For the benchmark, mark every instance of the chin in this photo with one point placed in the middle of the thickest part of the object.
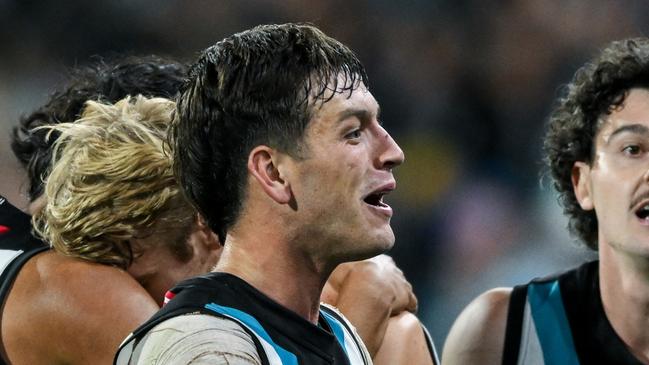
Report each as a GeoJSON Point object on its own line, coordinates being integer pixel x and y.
{"type": "Point", "coordinates": [382, 243]}
{"type": "Point", "coordinates": [387, 246]}
{"type": "Point", "coordinates": [387, 237]}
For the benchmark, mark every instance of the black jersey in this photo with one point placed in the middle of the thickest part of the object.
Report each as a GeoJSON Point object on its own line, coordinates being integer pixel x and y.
{"type": "Point", "coordinates": [280, 335]}
{"type": "Point", "coordinates": [17, 245]}
{"type": "Point", "coordinates": [561, 320]}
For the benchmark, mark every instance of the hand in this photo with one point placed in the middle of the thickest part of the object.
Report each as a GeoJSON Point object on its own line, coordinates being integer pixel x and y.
{"type": "Point", "coordinates": [393, 278]}
{"type": "Point", "coordinates": [378, 276]}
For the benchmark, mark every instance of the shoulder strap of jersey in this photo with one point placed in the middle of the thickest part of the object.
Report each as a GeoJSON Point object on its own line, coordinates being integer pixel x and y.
{"type": "Point", "coordinates": [514, 324]}
{"type": "Point", "coordinates": [195, 303]}
{"type": "Point", "coordinates": [551, 323]}
{"type": "Point", "coordinates": [431, 345]}
{"type": "Point", "coordinates": [128, 347]}
{"type": "Point", "coordinates": [346, 335]}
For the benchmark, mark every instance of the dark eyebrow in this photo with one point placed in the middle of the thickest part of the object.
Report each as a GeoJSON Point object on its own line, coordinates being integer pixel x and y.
{"type": "Point", "coordinates": [361, 114]}
{"type": "Point", "coordinates": [631, 128]}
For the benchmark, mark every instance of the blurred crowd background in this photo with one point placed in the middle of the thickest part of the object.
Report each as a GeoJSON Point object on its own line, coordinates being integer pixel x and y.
{"type": "Point", "coordinates": [465, 87]}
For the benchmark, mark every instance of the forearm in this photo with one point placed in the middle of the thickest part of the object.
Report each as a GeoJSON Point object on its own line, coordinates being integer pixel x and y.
{"type": "Point", "coordinates": [369, 312]}
{"type": "Point", "coordinates": [404, 343]}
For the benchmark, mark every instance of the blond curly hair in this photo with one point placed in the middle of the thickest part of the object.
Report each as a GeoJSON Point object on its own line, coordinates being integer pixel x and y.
{"type": "Point", "coordinates": [112, 182]}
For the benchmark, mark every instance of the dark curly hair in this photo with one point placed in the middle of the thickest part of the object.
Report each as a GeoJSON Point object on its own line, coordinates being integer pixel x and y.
{"type": "Point", "coordinates": [596, 89]}
{"type": "Point", "coordinates": [107, 81]}
{"type": "Point", "coordinates": [255, 87]}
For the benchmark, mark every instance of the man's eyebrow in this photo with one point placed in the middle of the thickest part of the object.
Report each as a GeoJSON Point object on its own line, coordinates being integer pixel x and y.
{"type": "Point", "coordinates": [631, 128]}
{"type": "Point", "coordinates": [361, 114]}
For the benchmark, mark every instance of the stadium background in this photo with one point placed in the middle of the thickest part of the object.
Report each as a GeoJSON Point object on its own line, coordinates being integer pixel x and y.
{"type": "Point", "coordinates": [465, 87]}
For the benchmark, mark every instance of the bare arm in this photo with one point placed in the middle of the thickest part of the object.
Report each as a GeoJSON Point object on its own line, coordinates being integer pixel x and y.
{"type": "Point", "coordinates": [478, 334]}
{"type": "Point", "coordinates": [404, 343]}
{"type": "Point", "coordinates": [64, 310]}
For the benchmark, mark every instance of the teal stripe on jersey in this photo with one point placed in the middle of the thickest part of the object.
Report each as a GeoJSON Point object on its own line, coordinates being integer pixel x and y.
{"type": "Point", "coordinates": [287, 358]}
{"type": "Point", "coordinates": [339, 332]}
{"type": "Point", "coordinates": [551, 323]}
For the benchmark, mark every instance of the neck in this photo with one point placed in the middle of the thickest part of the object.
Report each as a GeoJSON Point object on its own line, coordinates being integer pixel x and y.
{"type": "Point", "coordinates": [273, 266]}
{"type": "Point", "coordinates": [624, 283]}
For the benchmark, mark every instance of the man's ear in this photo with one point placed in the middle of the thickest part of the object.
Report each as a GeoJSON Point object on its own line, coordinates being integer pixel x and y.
{"type": "Point", "coordinates": [581, 185]}
{"type": "Point", "coordinates": [210, 239]}
{"type": "Point", "coordinates": [205, 245]}
{"type": "Point", "coordinates": [263, 165]}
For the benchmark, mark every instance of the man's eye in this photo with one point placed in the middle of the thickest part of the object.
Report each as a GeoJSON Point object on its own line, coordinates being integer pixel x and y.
{"type": "Point", "coordinates": [354, 134]}
{"type": "Point", "coordinates": [632, 150]}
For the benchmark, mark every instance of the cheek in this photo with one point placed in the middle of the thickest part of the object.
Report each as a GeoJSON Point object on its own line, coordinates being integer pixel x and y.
{"type": "Point", "coordinates": [611, 191]}
{"type": "Point", "coordinates": [331, 181]}
{"type": "Point", "coordinates": [160, 285]}
{"type": "Point", "coordinates": [353, 165]}
{"type": "Point", "coordinates": [356, 176]}
{"type": "Point", "coordinates": [354, 171]}
{"type": "Point", "coordinates": [170, 272]}
{"type": "Point", "coordinates": [178, 271]}
{"type": "Point", "coordinates": [138, 268]}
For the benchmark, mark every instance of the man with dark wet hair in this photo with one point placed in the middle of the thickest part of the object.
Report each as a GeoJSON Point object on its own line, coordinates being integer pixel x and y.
{"type": "Point", "coordinates": [597, 150]}
{"type": "Point", "coordinates": [277, 143]}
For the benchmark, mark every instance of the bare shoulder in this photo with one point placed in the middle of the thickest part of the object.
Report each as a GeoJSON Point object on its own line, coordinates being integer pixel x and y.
{"type": "Point", "coordinates": [57, 303]}
{"type": "Point", "coordinates": [90, 285]}
{"type": "Point", "coordinates": [478, 334]}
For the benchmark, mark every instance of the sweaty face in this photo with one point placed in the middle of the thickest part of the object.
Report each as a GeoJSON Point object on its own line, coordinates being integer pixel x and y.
{"type": "Point", "coordinates": [616, 184]}
{"type": "Point", "coordinates": [340, 184]}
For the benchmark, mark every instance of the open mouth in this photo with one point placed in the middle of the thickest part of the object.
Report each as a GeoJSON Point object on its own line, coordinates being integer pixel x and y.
{"type": "Point", "coordinates": [376, 199]}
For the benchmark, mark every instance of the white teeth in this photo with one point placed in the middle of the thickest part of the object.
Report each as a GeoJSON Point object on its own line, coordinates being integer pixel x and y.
{"type": "Point", "coordinates": [379, 201]}
{"type": "Point", "coordinates": [375, 199]}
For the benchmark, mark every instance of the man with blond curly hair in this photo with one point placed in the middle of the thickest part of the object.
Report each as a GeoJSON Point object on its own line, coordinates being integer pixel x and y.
{"type": "Point", "coordinates": [112, 198]}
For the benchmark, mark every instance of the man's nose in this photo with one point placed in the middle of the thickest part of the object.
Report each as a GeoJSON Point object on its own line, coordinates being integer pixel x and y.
{"type": "Point", "coordinates": [391, 154]}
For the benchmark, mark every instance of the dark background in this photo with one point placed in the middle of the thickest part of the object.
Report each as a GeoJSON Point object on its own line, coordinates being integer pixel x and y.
{"type": "Point", "coordinates": [465, 88]}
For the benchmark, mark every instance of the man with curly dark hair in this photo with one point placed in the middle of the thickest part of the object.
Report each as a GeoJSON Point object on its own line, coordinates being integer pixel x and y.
{"type": "Point", "coordinates": [597, 150]}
